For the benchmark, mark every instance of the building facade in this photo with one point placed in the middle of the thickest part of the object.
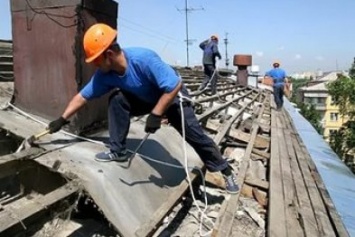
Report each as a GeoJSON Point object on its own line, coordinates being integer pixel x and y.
{"type": "Point", "coordinates": [316, 93]}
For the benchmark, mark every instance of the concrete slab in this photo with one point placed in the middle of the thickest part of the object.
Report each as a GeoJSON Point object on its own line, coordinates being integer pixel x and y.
{"type": "Point", "coordinates": [127, 197]}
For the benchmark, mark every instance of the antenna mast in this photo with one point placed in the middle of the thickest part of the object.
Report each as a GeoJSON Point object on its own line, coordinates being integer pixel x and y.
{"type": "Point", "coordinates": [188, 41]}
{"type": "Point", "coordinates": [226, 43]}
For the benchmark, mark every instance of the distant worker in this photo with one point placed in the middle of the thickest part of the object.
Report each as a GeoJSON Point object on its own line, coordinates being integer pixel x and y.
{"type": "Point", "coordinates": [147, 85]}
{"type": "Point", "coordinates": [210, 52]}
{"type": "Point", "coordinates": [279, 79]}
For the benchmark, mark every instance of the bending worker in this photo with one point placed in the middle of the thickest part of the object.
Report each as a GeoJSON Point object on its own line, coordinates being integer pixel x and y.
{"type": "Point", "coordinates": [146, 85]}
{"type": "Point", "coordinates": [210, 52]}
{"type": "Point", "coordinates": [279, 79]}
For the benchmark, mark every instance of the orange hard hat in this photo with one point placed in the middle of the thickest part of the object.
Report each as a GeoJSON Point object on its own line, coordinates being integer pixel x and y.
{"type": "Point", "coordinates": [97, 39]}
{"type": "Point", "coordinates": [214, 37]}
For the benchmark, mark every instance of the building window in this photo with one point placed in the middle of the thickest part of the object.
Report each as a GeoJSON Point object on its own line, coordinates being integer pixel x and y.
{"type": "Point", "coordinates": [334, 117]}
{"type": "Point", "coordinates": [321, 101]}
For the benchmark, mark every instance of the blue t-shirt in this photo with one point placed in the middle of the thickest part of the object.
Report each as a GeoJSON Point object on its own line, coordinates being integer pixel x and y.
{"type": "Point", "coordinates": [146, 77]}
{"type": "Point", "coordinates": [278, 75]}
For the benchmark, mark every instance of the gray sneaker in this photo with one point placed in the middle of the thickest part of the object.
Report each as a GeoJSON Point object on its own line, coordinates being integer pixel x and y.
{"type": "Point", "coordinates": [231, 183]}
{"type": "Point", "coordinates": [112, 156]}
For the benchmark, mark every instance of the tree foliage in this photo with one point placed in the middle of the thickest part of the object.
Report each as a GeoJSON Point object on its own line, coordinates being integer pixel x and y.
{"type": "Point", "coordinates": [342, 92]}
{"type": "Point", "coordinates": [297, 84]}
{"type": "Point", "coordinates": [310, 113]}
{"type": "Point", "coordinates": [352, 70]}
{"type": "Point", "coordinates": [343, 140]}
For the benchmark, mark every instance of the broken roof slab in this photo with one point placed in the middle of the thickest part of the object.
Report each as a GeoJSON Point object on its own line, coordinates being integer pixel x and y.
{"type": "Point", "coordinates": [128, 197]}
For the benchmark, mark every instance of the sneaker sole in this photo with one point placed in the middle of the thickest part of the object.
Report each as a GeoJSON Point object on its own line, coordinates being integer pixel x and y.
{"type": "Point", "coordinates": [232, 192]}
{"type": "Point", "coordinates": [97, 159]}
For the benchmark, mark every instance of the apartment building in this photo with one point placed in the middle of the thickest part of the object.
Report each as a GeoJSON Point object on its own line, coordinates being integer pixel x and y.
{"type": "Point", "coordinates": [316, 93]}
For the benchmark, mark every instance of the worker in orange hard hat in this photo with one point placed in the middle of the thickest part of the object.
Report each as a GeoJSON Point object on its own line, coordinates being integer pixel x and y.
{"type": "Point", "coordinates": [279, 78]}
{"type": "Point", "coordinates": [210, 52]}
{"type": "Point", "coordinates": [97, 40]}
{"type": "Point", "coordinates": [147, 85]}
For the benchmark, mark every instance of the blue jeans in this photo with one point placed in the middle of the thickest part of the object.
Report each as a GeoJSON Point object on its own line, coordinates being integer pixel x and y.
{"type": "Point", "coordinates": [279, 95]}
{"type": "Point", "coordinates": [123, 105]}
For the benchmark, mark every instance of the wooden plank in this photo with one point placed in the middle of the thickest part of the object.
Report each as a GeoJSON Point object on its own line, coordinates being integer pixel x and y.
{"type": "Point", "coordinates": [307, 217]}
{"type": "Point", "coordinates": [148, 228]}
{"type": "Point", "coordinates": [24, 154]}
{"type": "Point", "coordinates": [335, 219]}
{"type": "Point", "coordinates": [9, 164]}
{"type": "Point", "coordinates": [215, 109]}
{"type": "Point", "coordinates": [227, 125]}
{"type": "Point", "coordinates": [215, 179]}
{"type": "Point", "coordinates": [260, 197]}
{"type": "Point", "coordinates": [334, 216]}
{"type": "Point", "coordinates": [324, 225]}
{"type": "Point", "coordinates": [260, 141]}
{"type": "Point", "coordinates": [13, 217]}
{"type": "Point", "coordinates": [276, 213]}
{"type": "Point", "coordinates": [255, 157]}
{"type": "Point", "coordinates": [290, 198]}
{"type": "Point", "coordinates": [261, 153]}
{"type": "Point", "coordinates": [227, 217]}
{"type": "Point", "coordinates": [308, 220]}
{"type": "Point", "coordinates": [262, 184]}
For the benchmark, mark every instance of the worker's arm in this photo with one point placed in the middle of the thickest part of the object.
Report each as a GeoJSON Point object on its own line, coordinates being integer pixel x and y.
{"type": "Point", "coordinates": [165, 100]}
{"type": "Point", "coordinates": [216, 52]}
{"type": "Point", "coordinates": [74, 105]}
{"type": "Point", "coordinates": [153, 122]}
{"type": "Point", "coordinates": [203, 44]}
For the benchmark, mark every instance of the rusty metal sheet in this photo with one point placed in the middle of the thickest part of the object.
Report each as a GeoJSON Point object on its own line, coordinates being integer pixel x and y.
{"type": "Point", "coordinates": [49, 66]}
{"type": "Point", "coordinates": [107, 7]}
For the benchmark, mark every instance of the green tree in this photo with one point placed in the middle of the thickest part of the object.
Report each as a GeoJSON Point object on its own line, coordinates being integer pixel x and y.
{"type": "Point", "coordinates": [342, 91]}
{"type": "Point", "coordinates": [352, 70]}
{"type": "Point", "coordinates": [297, 84]}
{"type": "Point", "coordinates": [310, 113]}
{"type": "Point", "coordinates": [343, 140]}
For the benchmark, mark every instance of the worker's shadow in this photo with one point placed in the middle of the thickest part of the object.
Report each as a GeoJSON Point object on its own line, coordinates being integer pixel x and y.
{"type": "Point", "coordinates": [170, 170]}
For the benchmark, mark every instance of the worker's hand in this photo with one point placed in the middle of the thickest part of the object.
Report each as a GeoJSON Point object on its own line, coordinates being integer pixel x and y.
{"type": "Point", "coordinates": [56, 125]}
{"type": "Point", "coordinates": [153, 123]}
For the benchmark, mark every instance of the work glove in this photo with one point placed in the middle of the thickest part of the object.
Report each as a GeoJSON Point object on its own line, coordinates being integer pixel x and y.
{"type": "Point", "coordinates": [153, 123]}
{"type": "Point", "coordinates": [56, 125]}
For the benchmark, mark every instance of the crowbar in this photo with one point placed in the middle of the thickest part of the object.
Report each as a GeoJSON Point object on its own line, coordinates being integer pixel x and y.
{"type": "Point", "coordinates": [135, 151]}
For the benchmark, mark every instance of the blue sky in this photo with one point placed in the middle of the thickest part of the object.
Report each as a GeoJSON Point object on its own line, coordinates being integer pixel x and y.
{"type": "Point", "coordinates": [304, 35]}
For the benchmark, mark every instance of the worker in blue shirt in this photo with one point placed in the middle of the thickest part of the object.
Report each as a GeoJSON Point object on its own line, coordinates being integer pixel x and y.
{"type": "Point", "coordinates": [147, 85]}
{"type": "Point", "coordinates": [278, 76]}
{"type": "Point", "coordinates": [210, 52]}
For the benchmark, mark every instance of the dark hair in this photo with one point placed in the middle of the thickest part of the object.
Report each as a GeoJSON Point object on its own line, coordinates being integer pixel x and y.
{"type": "Point", "coordinates": [115, 47]}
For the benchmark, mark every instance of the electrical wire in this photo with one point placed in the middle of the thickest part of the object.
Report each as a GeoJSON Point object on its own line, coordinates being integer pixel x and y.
{"type": "Point", "coordinates": [52, 15]}
{"type": "Point", "coordinates": [154, 32]}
